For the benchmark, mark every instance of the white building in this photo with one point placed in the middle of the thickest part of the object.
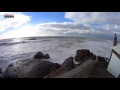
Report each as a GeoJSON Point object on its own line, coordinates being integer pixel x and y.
{"type": "Point", "coordinates": [114, 64]}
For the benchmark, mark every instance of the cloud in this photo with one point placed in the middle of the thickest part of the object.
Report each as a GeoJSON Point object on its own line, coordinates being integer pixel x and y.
{"type": "Point", "coordinates": [94, 17]}
{"type": "Point", "coordinates": [97, 22]}
{"type": "Point", "coordinates": [18, 20]}
{"type": "Point", "coordinates": [66, 28]}
{"type": "Point", "coordinates": [21, 32]}
{"type": "Point", "coordinates": [84, 23]}
{"type": "Point", "coordinates": [73, 27]}
{"type": "Point", "coordinates": [61, 26]}
{"type": "Point", "coordinates": [28, 31]}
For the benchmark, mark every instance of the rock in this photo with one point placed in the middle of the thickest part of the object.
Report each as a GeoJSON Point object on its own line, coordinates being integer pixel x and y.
{"type": "Point", "coordinates": [90, 55]}
{"type": "Point", "coordinates": [39, 55]}
{"type": "Point", "coordinates": [46, 56]}
{"type": "Point", "coordinates": [66, 66]}
{"type": "Point", "coordinates": [94, 57]}
{"type": "Point", "coordinates": [68, 63]}
{"type": "Point", "coordinates": [102, 63]}
{"type": "Point", "coordinates": [83, 55]}
{"type": "Point", "coordinates": [30, 68]}
{"type": "Point", "coordinates": [0, 71]}
{"type": "Point", "coordinates": [10, 72]}
{"type": "Point", "coordinates": [11, 64]}
{"type": "Point", "coordinates": [80, 54]}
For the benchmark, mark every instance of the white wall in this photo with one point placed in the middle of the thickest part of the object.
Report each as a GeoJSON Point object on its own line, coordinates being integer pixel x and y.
{"type": "Point", "coordinates": [114, 65]}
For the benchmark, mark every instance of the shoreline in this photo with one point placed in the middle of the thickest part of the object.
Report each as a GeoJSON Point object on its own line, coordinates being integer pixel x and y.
{"type": "Point", "coordinates": [22, 68]}
{"type": "Point", "coordinates": [59, 49]}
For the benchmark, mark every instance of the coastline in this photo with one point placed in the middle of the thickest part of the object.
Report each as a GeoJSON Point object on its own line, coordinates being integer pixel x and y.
{"type": "Point", "coordinates": [58, 48]}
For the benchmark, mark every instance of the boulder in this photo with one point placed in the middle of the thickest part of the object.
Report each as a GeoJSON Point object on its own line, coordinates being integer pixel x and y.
{"type": "Point", "coordinates": [10, 72]}
{"type": "Point", "coordinates": [39, 55]}
{"type": "Point", "coordinates": [0, 71]}
{"type": "Point", "coordinates": [66, 66]}
{"type": "Point", "coordinates": [11, 64]}
{"type": "Point", "coordinates": [30, 68]}
{"type": "Point", "coordinates": [46, 56]}
{"type": "Point", "coordinates": [83, 55]}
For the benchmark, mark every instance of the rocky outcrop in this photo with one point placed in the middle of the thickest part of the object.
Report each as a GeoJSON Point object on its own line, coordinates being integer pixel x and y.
{"type": "Point", "coordinates": [66, 66]}
{"type": "Point", "coordinates": [46, 56]}
{"type": "Point", "coordinates": [30, 68]}
{"type": "Point", "coordinates": [83, 55]}
{"type": "Point", "coordinates": [10, 72]}
{"type": "Point", "coordinates": [40, 55]}
{"type": "Point", "coordinates": [38, 68]}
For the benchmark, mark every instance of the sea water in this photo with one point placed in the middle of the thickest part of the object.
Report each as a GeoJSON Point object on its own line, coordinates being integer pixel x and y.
{"type": "Point", "coordinates": [59, 48]}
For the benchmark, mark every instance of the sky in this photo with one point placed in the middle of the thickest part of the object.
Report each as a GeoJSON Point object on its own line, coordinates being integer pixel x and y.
{"type": "Point", "coordinates": [76, 24]}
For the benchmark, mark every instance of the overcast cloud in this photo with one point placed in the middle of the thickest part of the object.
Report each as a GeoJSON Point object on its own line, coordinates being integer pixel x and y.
{"type": "Point", "coordinates": [102, 23]}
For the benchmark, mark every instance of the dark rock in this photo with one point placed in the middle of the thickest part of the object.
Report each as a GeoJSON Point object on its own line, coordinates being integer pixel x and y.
{"type": "Point", "coordinates": [30, 68]}
{"type": "Point", "coordinates": [11, 64]}
{"type": "Point", "coordinates": [94, 57]}
{"type": "Point", "coordinates": [90, 55]}
{"type": "Point", "coordinates": [83, 55]}
{"type": "Point", "coordinates": [10, 72]}
{"type": "Point", "coordinates": [46, 56]}
{"type": "Point", "coordinates": [80, 54]}
{"type": "Point", "coordinates": [102, 62]}
{"type": "Point", "coordinates": [67, 65]}
{"type": "Point", "coordinates": [0, 71]}
{"type": "Point", "coordinates": [39, 55]}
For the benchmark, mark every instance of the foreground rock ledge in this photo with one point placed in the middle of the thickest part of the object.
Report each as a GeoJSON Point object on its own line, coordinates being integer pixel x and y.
{"type": "Point", "coordinates": [38, 67]}
{"type": "Point", "coordinates": [30, 68]}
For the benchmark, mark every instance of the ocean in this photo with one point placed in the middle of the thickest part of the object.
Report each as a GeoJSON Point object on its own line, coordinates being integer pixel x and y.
{"type": "Point", "coordinates": [59, 48]}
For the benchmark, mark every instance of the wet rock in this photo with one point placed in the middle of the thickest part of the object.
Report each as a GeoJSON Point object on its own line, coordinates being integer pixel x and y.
{"type": "Point", "coordinates": [39, 55]}
{"type": "Point", "coordinates": [68, 63]}
{"type": "Point", "coordinates": [46, 56]}
{"type": "Point", "coordinates": [11, 64]}
{"type": "Point", "coordinates": [30, 68]}
{"type": "Point", "coordinates": [83, 55]}
{"type": "Point", "coordinates": [10, 72]}
{"type": "Point", "coordinates": [66, 66]}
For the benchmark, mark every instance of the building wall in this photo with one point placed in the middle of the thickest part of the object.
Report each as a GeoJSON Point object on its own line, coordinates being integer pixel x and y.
{"type": "Point", "coordinates": [114, 65]}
